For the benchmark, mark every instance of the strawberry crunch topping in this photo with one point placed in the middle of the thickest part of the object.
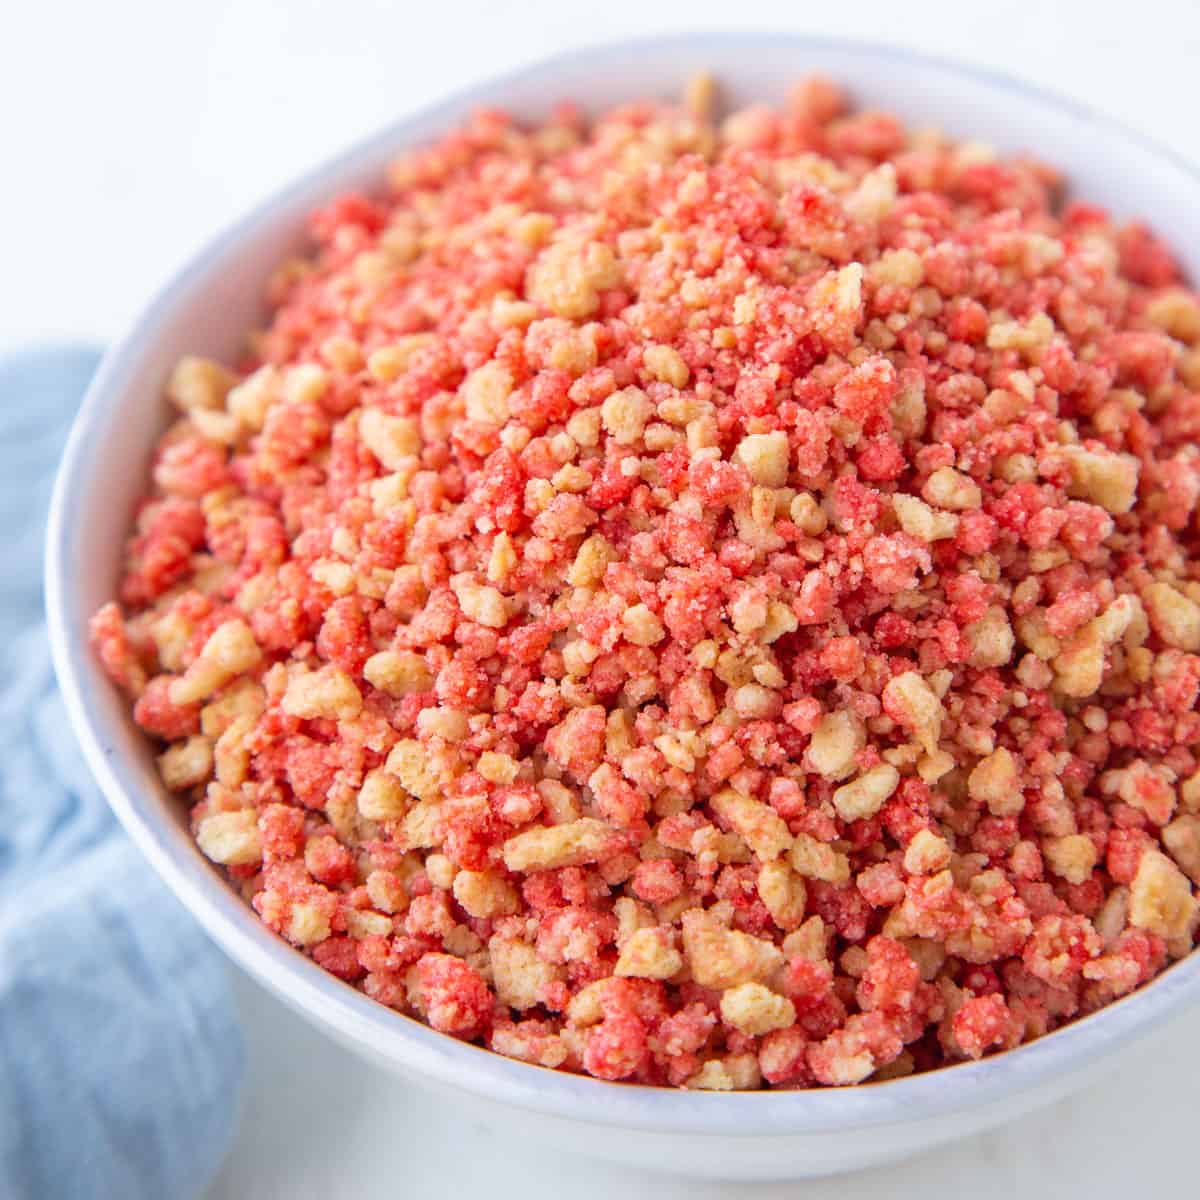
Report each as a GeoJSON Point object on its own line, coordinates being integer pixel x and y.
{"type": "Point", "coordinates": [710, 603]}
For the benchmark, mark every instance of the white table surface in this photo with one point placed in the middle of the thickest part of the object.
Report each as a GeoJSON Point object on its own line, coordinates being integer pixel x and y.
{"type": "Point", "coordinates": [134, 129]}
{"type": "Point", "coordinates": [320, 1125]}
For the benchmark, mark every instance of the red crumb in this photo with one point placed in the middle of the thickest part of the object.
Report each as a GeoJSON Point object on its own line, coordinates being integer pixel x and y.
{"type": "Point", "coordinates": [707, 603]}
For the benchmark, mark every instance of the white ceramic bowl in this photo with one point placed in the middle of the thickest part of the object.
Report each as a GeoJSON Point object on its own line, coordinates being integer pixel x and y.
{"type": "Point", "coordinates": [207, 309]}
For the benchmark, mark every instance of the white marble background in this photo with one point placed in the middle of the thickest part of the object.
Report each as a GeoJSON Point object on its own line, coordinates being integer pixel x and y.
{"type": "Point", "coordinates": [134, 129]}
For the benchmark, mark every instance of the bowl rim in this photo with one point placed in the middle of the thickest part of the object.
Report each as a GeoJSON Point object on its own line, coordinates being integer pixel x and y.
{"type": "Point", "coordinates": [402, 1042]}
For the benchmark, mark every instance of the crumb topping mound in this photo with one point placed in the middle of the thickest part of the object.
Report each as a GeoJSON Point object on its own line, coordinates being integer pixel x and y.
{"type": "Point", "coordinates": [707, 602]}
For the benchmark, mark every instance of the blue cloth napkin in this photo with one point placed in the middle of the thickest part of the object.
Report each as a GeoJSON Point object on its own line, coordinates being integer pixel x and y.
{"type": "Point", "coordinates": [120, 1053]}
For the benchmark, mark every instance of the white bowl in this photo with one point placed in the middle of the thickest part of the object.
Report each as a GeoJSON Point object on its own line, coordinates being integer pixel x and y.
{"type": "Point", "coordinates": [208, 308]}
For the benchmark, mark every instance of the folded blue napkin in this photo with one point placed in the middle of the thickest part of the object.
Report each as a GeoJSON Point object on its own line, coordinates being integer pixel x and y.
{"type": "Point", "coordinates": [120, 1054]}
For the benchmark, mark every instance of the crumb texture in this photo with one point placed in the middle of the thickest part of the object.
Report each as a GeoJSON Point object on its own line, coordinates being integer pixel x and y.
{"type": "Point", "coordinates": [709, 601]}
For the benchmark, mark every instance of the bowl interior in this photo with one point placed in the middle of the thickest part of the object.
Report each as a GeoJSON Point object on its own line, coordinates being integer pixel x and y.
{"type": "Point", "coordinates": [211, 305]}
